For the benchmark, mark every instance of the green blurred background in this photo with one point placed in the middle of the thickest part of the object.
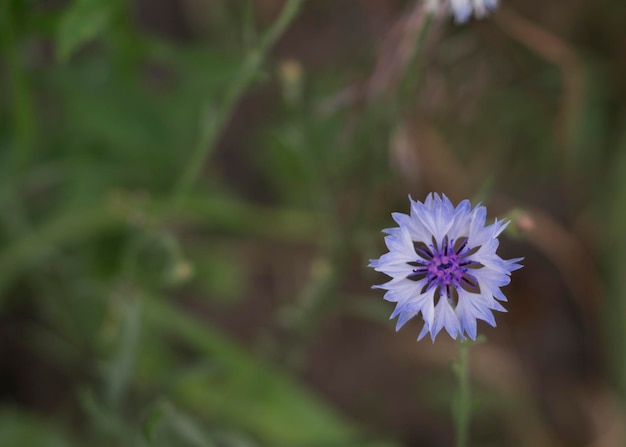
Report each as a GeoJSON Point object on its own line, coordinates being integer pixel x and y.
{"type": "Point", "coordinates": [191, 191]}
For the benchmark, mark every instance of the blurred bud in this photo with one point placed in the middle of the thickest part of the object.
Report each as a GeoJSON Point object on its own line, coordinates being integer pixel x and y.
{"type": "Point", "coordinates": [181, 272]}
{"type": "Point", "coordinates": [130, 206]}
{"type": "Point", "coordinates": [290, 74]}
{"type": "Point", "coordinates": [523, 223]}
{"type": "Point", "coordinates": [155, 257]}
{"type": "Point", "coordinates": [403, 153]}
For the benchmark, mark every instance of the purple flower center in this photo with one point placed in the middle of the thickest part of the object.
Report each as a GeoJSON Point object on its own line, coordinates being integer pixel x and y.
{"type": "Point", "coordinates": [444, 269]}
{"type": "Point", "coordinates": [446, 265]}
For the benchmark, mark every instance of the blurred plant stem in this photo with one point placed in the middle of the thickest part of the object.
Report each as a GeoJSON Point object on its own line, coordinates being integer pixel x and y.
{"type": "Point", "coordinates": [216, 116]}
{"type": "Point", "coordinates": [320, 298]}
{"type": "Point", "coordinates": [571, 123]}
{"type": "Point", "coordinates": [21, 98]}
{"type": "Point", "coordinates": [409, 84]}
{"type": "Point", "coordinates": [74, 227]}
{"type": "Point", "coordinates": [299, 319]}
{"type": "Point", "coordinates": [120, 366]}
{"type": "Point", "coordinates": [616, 266]}
{"type": "Point", "coordinates": [462, 407]}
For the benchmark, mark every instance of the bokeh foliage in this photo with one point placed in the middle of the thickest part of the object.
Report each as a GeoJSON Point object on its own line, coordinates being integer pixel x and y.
{"type": "Point", "coordinates": [149, 182]}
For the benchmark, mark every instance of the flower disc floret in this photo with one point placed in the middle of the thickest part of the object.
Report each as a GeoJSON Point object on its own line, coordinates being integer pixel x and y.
{"type": "Point", "coordinates": [443, 265]}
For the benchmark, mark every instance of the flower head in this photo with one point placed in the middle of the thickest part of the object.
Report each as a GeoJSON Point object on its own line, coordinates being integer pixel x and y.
{"type": "Point", "coordinates": [443, 264]}
{"type": "Point", "coordinates": [463, 9]}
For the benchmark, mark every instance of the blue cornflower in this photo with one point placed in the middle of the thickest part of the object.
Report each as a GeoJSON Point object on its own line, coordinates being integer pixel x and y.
{"type": "Point", "coordinates": [443, 264]}
{"type": "Point", "coordinates": [463, 9]}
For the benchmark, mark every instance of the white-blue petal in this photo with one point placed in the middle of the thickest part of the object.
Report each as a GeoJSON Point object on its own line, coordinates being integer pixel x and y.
{"type": "Point", "coordinates": [467, 320]}
{"type": "Point", "coordinates": [444, 318]}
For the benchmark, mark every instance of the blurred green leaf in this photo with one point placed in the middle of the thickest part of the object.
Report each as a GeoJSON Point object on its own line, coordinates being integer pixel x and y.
{"type": "Point", "coordinates": [151, 423]}
{"type": "Point", "coordinates": [19, 429]}
{"type": "Point", "coordinates": [244, 392]}
{"type": "Point", "coordinates": [83, 21]}
{"type": "Point", "coordinates": [107, 425]}
{"type": "Point", "coordinates": [118, 128]}
{"type": "Point", "coordinates": [166, 426]}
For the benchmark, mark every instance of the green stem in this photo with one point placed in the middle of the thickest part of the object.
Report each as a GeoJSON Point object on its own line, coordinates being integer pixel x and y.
{"type": "Point", "coordinates": [463, 406]}
{"type": "Point", "coordinates": [215, 118]}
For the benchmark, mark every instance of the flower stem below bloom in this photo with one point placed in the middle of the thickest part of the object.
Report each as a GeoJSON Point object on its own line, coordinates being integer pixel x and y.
{"type": "Point", "coordinates": [463, 403]}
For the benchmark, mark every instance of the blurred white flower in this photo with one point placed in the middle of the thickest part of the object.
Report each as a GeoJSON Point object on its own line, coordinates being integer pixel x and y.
{"type": "Point", "coordinates": [461, 9]}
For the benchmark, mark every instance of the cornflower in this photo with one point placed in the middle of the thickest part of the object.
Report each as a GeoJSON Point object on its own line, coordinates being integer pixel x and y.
{"type": "Point", "coordinates": [443, 264]}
